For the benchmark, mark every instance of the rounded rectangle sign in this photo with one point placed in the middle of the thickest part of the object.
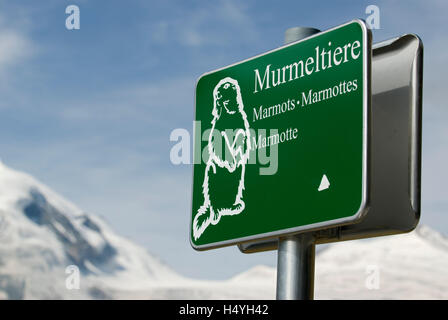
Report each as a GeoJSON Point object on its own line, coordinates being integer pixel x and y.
{"type": "Point", "coordinates": [281, 140]}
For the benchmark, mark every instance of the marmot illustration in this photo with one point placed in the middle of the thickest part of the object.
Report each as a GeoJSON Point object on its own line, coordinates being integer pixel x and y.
{"type": "Point", "coordinates": [224, 174]}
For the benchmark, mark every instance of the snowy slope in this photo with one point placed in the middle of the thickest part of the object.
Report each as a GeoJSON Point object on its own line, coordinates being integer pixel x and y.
{"type": "Point", "coordinates": [41, 234]}
{"type": "Point", "coordinates": [409, 266]}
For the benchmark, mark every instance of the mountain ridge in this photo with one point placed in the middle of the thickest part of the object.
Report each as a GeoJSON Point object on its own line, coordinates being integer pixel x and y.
{"type": "Point", "coordinates": [41, 234]}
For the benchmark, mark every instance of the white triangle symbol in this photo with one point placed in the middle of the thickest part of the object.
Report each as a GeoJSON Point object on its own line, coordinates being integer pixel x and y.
{"type": "Point", "coordinates": [324, 183]}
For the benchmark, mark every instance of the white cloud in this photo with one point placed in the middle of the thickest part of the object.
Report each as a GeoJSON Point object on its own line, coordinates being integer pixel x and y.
{"type": "Point", "coordinates": [14, 47]}
{"type": "Point", "coordinates": [161, 102]}
{"type": "Point", "coordinates": [214, 23]}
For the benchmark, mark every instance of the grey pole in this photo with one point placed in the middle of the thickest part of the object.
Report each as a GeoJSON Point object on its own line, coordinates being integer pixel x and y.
{"type": "Point", "coordinates": [296, 253]}
{"type": "Point", "coordinates": [295, 267]}
{"type": "Point", "coordinates": [297, 33]}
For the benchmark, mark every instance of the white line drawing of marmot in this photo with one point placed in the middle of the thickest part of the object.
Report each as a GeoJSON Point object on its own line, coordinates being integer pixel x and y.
{"type": "Point", "coordinates": [224, 198]}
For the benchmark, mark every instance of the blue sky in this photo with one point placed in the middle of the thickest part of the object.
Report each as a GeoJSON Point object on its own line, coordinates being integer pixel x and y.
{"type": "Point", "coordinates": [89, 112]}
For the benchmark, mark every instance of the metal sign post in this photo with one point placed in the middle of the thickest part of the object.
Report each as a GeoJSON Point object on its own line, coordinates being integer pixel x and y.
{"type": "Point", "coordinates": [295, 267]}
{"type": "Point", "coordinates": [296, 254]}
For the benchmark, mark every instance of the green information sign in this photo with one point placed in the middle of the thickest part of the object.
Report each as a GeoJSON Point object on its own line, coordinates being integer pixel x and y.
{"type": "Point", "coordinates": [281, 140]}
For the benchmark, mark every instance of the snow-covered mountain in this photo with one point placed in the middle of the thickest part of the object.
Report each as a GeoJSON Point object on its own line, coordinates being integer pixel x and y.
{"type": "Point", "coordinates": [41, 234]}
{"type": "Point", "coordinates": [408, 266]}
